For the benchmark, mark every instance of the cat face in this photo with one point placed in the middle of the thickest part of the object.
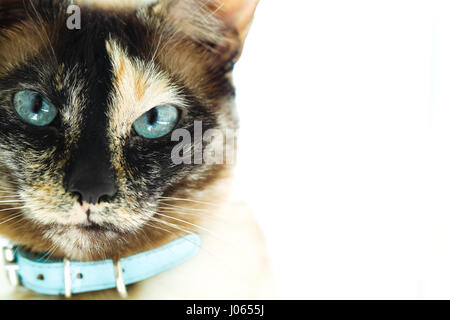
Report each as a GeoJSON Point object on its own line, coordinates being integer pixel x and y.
{"type": "Point", "coordinates": [86, 119]}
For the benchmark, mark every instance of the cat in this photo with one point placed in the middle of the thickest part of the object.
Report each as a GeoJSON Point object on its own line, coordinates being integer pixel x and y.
{"type": "Point", "coordinates": [90, 94]}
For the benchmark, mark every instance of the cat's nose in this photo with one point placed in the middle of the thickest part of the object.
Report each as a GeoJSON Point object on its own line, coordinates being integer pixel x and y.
{"type": "Point", "coordinates": [92, 186]}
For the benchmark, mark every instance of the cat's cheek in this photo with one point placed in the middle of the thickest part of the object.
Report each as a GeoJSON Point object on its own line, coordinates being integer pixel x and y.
{"type": "Point", "coordinates": [47, 204]}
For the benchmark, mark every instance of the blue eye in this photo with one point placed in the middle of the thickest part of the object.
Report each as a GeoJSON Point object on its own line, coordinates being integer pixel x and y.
{"type": "Point", "coordinates": [157, 122]}
{"type": "Point", "coordinates": [34, 109]}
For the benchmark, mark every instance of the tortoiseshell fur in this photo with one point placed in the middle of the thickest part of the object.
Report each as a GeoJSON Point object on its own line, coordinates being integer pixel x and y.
{"type": "Point", "coordinates": [121, 62]}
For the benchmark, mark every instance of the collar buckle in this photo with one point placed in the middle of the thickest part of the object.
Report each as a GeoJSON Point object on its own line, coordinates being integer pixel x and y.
{"type": "Point", "coordinates": [67, 279]}
{"type": "Point", "coordinates": [118, 274]}
{"type": "Point", "coordinates": [120, 282]}
{"type": "Point", "coordinates": [9, 262]}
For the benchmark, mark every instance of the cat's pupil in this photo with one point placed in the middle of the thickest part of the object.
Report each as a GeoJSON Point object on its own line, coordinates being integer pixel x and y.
{"type": "Point", "coordinates": [152, 116]}
{"type": "Point", "coordinates": [36, 104]}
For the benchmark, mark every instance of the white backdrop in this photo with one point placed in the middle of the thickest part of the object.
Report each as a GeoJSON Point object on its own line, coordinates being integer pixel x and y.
{"type": "Point", "coordinates": [345, 145]}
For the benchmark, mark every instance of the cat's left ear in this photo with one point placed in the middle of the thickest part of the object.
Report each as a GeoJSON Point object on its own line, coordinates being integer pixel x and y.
{"type": "Point", "coordinates": [222, 24]}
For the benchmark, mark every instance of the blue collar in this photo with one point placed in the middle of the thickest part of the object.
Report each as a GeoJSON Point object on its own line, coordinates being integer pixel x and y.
{"type": "Point", "coordinates": [67, 277]}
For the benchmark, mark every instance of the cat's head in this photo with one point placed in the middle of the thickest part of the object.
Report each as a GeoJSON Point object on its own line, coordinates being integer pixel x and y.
{"type": "Point", "coordinates": [90, 96]}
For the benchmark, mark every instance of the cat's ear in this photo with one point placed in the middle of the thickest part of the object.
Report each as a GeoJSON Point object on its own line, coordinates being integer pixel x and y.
{"type": "Point", "coordinates": [238, 14]}
{"type": "Point", "coordinates": [224, 24]}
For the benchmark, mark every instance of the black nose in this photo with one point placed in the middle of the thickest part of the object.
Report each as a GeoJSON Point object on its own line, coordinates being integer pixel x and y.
{"type": "Point", "coordinates": [92, 185]}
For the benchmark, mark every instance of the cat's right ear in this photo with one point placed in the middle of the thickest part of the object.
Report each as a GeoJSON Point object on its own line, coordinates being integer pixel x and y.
{"type": "Point", "coordinates": [221, 24]}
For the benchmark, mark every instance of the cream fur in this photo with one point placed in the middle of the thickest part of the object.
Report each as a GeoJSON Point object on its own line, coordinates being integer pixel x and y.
{"type": "Point", "coordinates": [236, 266]}
{"type": "Point", "coordinates": [138, 88]}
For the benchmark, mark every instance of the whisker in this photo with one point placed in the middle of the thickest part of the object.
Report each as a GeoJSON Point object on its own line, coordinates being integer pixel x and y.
{"type": "Point", "coordinates": [43, 29]}
{"type": "Point", "coordinates": [202, 246]}
{"type": "Point", "coordinates": [11, 201]}
{"type": "Point", "coordinates": [161, 228]}
{"type": "Point", "coordinates": [50, 252]}
{"type": "Point", "coordinates": [173, 207]}
{"type": "Point", "coordinates": [190, 200]}
{"type": "Point", "coordinates": [200, 212]}
{"type": "Point", "coordinates": [9, 209]}
{"type": "Point", "coordinates": [157, 49]}
{"type": "Point", "coordinates": [4, 189]}
{"type": "Point", "coordinates": [17, 222]}
{"type": "Point", "coordinates": [10, 218]}
{"type": "Point", "coordinates": [203, 215]}
{"type": "Point", "coordinates": [184, 208]}
{"type": "Point", "coordinates": [186, 212]}
{"type": "Point", "coordinates": [196, 226]}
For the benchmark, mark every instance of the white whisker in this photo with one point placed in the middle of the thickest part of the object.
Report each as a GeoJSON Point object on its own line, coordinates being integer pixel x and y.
{"type": "Point", "coordinates": [202, 246]}
{"type": "Point", "coordinates": [190, 200]}
{"type": "Point", "coordinates": [11, 201]}
{"type": "Point", "coordinates": [184, 208]}
{"type": "Point", "coordinates": [194, 225]}
{"type": "Point", "coordinates": [10, 218]}
{"type": "Point", "coordinates": [15, 208]}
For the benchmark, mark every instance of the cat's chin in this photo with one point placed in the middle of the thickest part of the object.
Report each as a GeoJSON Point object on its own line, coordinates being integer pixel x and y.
{"type": "Point", "coordinates": [95, 228]}
{"type": "Point", "coordinates": [88, 241]}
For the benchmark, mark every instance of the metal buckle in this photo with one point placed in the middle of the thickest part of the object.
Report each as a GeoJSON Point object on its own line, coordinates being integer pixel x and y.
{"type": "Point", "coordinates": [9, 262]}
{"type": "Point", "coordinates": [120, 283]}
{"type": "Point", "coordinates": [118, 273]}
{"type": "Point", "coordinates": [67, 279]}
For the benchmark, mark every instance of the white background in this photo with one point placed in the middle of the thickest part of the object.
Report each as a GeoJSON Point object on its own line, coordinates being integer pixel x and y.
{"type": "Point", "coordinates": [345, 145]}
